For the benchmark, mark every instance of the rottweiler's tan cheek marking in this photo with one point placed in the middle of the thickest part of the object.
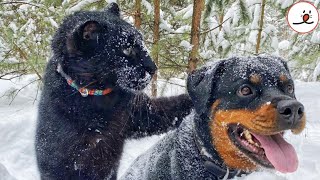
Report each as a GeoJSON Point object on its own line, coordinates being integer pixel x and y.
{"type": "Point", "coordinates": [283, 78]}
{"type": "Point", "coordinates": [226, 149]}
{"type": "Point", "coordinates": [255, 79]}
{"type": "Point", "coordinates": [301, 126]}
{"type": "Point", "coordinates": [260, 120]}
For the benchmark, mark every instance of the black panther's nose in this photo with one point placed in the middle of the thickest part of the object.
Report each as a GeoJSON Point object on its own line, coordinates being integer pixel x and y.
{"type": "Point", "coordinates": [291, 112]}
{"type": "Point", "coordinates": [150, 66]}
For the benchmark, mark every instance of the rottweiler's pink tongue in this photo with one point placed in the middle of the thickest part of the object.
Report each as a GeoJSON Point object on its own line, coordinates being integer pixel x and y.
{"type": "Point", "coordinates": [280, 153]}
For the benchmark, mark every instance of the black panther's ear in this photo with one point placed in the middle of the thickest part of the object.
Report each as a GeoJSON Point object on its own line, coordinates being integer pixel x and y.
{"type": "Point", "coordinates": [84, 38]}
{"type": "Point", "coordinates": [113, 8]}
{"type": "Point", "coordinates": [200, 84]}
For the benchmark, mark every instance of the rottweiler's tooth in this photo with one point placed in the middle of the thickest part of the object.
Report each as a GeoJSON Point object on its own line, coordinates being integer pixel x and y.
{"type": "Point", "coordinates": [256, 144]}
{"type": "Point", "coordinates": [241, 134]}
{"type": "Point", "coordinates": [251, 141]}
{"type": "Point", "coordinates": [247, 135]}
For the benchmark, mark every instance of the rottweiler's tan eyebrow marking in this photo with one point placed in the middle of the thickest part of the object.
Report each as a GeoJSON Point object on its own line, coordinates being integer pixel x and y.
{"type": "Point", "coordinates": [283, 78]}
{"type": "Point", "coordinates": [255, 78]}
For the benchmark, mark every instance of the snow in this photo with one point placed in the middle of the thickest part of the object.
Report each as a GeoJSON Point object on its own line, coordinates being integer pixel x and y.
{"type": "Point", "coordinates": [4, 174]}
{"type": "Point", "coordinates": [186, 45]}
{"type": "Point", "coordinates": [183, 29]}
{"type": "Point", "coordinates": [270, 29]}
{"type": "Point", "coordinates": [316, 71]}
{"type": "Point", "coordinates": [226, 26]}
{"type": "Point", "coordinates": [24, 7]}
{"type": "Point", "coordinates": [274, 43]}
{"type": "Point", "coordinates": [111, 1]}
{"type": "Point", "coordinates": [286, 3]}
{"type": "Point", "coordinates": [315, 37]}
{"type": "Point", "coordinates": [29, 27]}
{"type": "Point", "coordinates": [256, 17]}
{"type": "Point", "coordinates": [53, 22]}
{"type": "Point", "coordinates": [51, 8]}
{"type": "Point", "coordinates": [131, 150]}
{"type": "Point", "coordinates": [189, 12]}
{"type": "Point", "coordinates": [253, 37]}
{"type": "Point", "coordinates": [184, 10]}
{"type": "Point", "coordinates": [284, 45]}
{"type": "Point", "coordinates": [252, 2]}
{"type": "Point", "coordinates": [164, 25]}
{"type": "Point", "coordinates": [13, 27]}
{"type": "Point", "coordinates": [18, 123]}
{"type": "Point", "coordinates": [79, 6]}
{"type": "Point", "coordinates": [148, 6]}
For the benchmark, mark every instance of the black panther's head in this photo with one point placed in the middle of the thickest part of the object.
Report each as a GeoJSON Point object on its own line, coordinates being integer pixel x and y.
{"type": "Point", "coordinates": [100, 50]}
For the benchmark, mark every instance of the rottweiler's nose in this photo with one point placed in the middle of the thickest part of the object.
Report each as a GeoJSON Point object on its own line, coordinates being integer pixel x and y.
{"type": "Point", "coordinates": [291, 112]}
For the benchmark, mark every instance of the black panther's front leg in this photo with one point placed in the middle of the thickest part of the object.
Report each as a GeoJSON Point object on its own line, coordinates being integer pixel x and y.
{"type": "Point", "coordinates": [159, 115]}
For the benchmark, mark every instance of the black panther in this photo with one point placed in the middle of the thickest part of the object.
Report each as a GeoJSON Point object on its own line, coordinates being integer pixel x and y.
{"type": "Point", "coordinates": [92, 98]}
{"type": "Point", "coordinates": [243, 106]}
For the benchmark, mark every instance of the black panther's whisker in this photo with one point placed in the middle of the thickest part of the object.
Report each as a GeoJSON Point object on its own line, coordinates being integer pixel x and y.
{"type": "Point", "coordinates": [85, 74]}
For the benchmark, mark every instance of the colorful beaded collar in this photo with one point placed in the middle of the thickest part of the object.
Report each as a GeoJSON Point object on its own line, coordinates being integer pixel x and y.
{"type": "Point", "coordinates": [82, 90]}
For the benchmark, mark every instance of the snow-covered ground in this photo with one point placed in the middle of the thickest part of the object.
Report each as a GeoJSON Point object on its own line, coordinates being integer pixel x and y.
{"type": "Point", "coordinates": [18, 123]}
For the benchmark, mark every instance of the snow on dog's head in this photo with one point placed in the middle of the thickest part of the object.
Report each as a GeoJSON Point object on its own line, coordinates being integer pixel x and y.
{"type": "Point", "coordinates": [248, 104]}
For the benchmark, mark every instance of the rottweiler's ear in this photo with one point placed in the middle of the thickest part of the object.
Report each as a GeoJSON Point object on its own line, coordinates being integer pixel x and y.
{"type": "Point", "coordinates": [84, 38]}
{"type": "Point", "coordinates": [113, 8]}
{"type": "Point", "coordinates": [285, 64]}
{"type": "Point", "coordinates": [200, 84]}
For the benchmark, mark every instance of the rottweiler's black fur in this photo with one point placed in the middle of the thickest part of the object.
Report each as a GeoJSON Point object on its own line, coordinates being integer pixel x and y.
{"type": "Point", "coordinates": [225, 94]}
{"type": "Point", "coordinates": [82, 137]}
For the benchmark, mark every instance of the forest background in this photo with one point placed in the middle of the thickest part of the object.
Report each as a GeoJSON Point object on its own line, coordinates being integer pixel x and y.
{"type": "Point", "coordinates": [180, 34]}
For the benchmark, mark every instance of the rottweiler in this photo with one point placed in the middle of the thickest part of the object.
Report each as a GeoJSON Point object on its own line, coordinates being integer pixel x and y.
{"type": "Point", "coordinates": [243, 107]}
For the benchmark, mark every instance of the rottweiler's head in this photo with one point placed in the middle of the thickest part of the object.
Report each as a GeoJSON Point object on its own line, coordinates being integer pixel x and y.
{"type": "Point", "coordinates": [98, 49]}
{"type": "Point", "coordinates": [248, 104]}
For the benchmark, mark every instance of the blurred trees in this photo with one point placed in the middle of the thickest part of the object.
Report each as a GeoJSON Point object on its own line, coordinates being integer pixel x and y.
{"type": "Point", "coordinates": [228, 28]}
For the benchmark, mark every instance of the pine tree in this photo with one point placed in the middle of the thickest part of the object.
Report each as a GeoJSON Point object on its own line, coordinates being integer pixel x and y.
{"type": "Point", "coordinates": [263, 4]}
{"type": "Point", "coordinates": [155, 48]}
{"type": "Point", "coordinates": [195, 34]}
{"type": "Point", "coordinates": [231, 16]}
{"type": "Point", "coordinates": [137, 14]}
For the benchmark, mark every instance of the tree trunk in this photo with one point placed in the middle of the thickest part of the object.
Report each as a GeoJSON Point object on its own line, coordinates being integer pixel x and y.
{"type": "Point", "coordinates": [220, 49]}
{"type": "Point", "coordinates": [155, 48]}
{"type": "Point", "coordinates": [221, 21]}
{"type": "Point", "coordinates": [263, 4]}
{"type": "Point", "coordinates": [137, 14]}
{"type": "Point", "coordinates": [195, 34]}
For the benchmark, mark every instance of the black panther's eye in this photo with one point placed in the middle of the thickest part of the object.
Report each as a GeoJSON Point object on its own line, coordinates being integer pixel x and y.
{"type": "Point", "coordinates": [128, 51]}
{"type": "Point", "coordinates": [290, 89]}
{"type": "Point", "coordinates": [244, 91]}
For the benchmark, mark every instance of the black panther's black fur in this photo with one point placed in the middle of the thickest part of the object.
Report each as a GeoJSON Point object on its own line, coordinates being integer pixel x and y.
{"type": "Point", "coordinates": [82, 137]}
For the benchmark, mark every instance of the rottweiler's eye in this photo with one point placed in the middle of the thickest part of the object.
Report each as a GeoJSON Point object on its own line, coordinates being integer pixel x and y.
{"type": "Point", "coordinates": [290, 89]}
{"type": "Point", "coordinates": [245, 91]}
